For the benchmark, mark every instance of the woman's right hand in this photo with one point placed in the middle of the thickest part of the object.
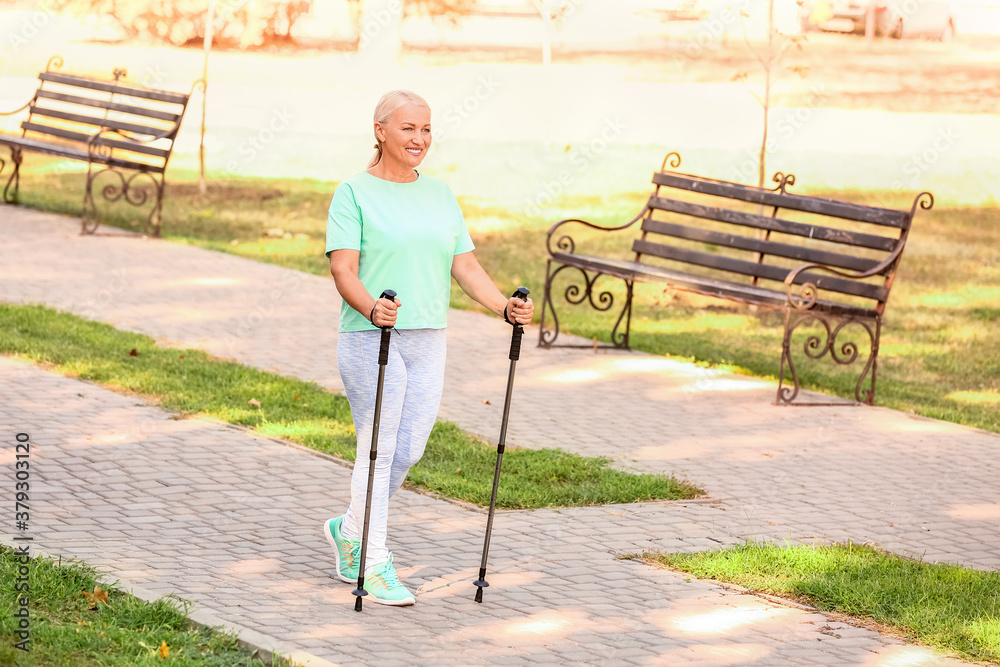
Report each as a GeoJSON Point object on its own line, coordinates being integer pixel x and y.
{"type": "Point", "coordinates": [384, 314]}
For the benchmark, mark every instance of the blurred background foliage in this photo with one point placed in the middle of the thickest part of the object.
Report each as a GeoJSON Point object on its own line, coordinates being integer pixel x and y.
{"type": "Point", "coordinates": [182, 22]}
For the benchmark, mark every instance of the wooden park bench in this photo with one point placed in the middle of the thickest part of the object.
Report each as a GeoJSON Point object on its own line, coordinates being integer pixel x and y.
{"type": "Point", "coordinates": [113, 126]}
{"type": "Point", "coordinates": [825, 263]}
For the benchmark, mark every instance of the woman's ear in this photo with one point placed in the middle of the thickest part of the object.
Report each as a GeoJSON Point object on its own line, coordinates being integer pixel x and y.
{"type": "Point", "coordinates": [379, 133]}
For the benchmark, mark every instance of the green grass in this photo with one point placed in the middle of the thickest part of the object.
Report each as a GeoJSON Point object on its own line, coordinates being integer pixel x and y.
{"type": "Point", "coordinates": [188, 382]}
{"type": "Point", "coordinates": [944, 606]}
{"type": "Point", "coordinates": [939, 354]}
{"type": "Point", "coordinates": [125, 632]}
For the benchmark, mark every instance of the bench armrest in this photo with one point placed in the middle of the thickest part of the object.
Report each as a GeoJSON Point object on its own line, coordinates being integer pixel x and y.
{"type": "Point", "coordinates": [94, 147]}
{"type": "Point", "coordinates": [565, 242]}
{"type": "Point", "coordinates": [19, 109]}
{"type": "Point", "coordinates": [808, 292]}
{"type": "Point", "coordinates": [92, 139]}
{"type": "Point", "coordinates": [55, 62]}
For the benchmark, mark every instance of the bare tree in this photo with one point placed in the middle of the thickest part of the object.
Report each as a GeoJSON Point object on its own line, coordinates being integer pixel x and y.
{"type": "Point", "coordinates": [777, 45]}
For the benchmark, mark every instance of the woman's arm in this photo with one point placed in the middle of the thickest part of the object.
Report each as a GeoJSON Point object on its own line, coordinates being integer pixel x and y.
{"type": "Point", "coordinates": [344, 268]}
{"type": "Point", "coordinates": [474, 281]}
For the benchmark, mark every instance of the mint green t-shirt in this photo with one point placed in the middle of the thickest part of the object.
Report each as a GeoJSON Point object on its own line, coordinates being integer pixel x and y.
{"type": "Point", "coordinates": [408, 235]}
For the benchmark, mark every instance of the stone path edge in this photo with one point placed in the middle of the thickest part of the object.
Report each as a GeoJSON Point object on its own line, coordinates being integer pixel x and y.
{"type": "Point", "coordinates": [265, 647]}
{"type": "Point", "coordinates": [835, 616]}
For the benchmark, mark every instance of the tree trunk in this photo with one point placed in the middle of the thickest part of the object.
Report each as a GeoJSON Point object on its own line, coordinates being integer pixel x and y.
{"type": "Point", "coordinates": [209, 21]}
{"type": "Point", "coordinates": [762, 162]}
{"type": "Point", "coordinates": [870, 24]}
{"type": "Point", "coordinates": [546, 34]}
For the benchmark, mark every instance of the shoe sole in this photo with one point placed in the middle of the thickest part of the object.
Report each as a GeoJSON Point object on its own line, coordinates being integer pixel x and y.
{"type": "Point", "coordinates": [328, 531]}
{"type": "Point", "coordinates": [392, 603]}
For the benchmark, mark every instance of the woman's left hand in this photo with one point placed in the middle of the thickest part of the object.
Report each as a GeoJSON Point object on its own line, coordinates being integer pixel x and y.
{"type": "Point", "coordinates": [520, 311]}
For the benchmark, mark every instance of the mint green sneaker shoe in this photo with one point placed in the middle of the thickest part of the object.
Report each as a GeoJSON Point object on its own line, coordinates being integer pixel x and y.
{"type": "Point", "coordinates": [348, 551]}
{"type": "Point", "coordinates": [384, 587]}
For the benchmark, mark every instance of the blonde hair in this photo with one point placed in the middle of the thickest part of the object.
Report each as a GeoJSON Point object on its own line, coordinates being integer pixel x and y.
{"type": "Point", "coordinates": [387, 105]}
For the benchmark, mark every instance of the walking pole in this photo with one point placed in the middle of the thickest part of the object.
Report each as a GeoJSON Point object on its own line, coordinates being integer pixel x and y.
{"type": "Point", "coordinates": [515, 353]}
{"type": "Point", "coordinates": [383, 359]}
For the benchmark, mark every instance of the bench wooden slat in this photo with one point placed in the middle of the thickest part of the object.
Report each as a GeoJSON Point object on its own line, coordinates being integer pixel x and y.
{"type": "Point", "coordinates": [700, 284]}
{"type": "Point", "coordinates": [772, 248]}
{"type": "Point", "coordinates": [878, 216]}
{"type": "Point", "coordinates": [744, 267]}
{"type": "Point", "coordinates": [113, 87]}
{"type": "Point", "coordinates": [82, 138]}
{"type": "Point", "coordinates": [113, 106]}
{"type": "Point", "coordinates": [98, 122]}
{"type": "Point", "coordinates": [871, 241]}
{"type": "Point", "coordinates": [76, 154]}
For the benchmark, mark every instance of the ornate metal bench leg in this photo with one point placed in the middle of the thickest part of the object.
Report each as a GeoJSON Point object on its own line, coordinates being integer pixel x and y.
{"type": "Point", "coordinates": [575, 295]}
{"type": "Point", "coordinates": [787, 394]}
{"type": "Point", "coordinates": [155, 215]}
{"type": "Point", "coordinates": [818, 346]}
{"type": "Point", "coordinates": [868, 395]}
{"type": "Point", "coordinates": [620, 340]}
{"type": "Point", "coordinates": [546, 337]}
{"type": "Point", "coordinates": [15, 177]}
{"type": "Point", "coordinates": [89, 218]}
{"type": "Point", "coordinates": [125, 189]}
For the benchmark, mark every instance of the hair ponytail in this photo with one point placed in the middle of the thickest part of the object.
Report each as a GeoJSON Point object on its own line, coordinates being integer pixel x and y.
{"type": "Point", "coordinates": [378, 154]}
{"type": "Point", "coordinates": [387, 106]}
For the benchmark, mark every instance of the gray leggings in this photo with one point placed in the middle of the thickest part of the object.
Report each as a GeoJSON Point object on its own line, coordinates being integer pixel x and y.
{"type": "Point", "coordinates": [414, 378]}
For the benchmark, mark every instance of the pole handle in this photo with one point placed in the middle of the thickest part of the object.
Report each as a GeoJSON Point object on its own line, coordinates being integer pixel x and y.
{"type": "Point", "coordinates": [515, 342]}
{"type": "Point", "coordinates": [515, 338]}
{"type": "Point", "coordinates": [383, 349]}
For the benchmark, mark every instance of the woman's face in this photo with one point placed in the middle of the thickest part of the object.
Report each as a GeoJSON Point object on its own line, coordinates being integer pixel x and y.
{"type": "Point", "coordinates": [406, 136]}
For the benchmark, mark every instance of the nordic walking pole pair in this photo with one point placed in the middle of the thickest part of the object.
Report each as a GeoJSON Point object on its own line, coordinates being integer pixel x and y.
{"type": "Point", "coordinates": [515, 354]}
{"type": "Point", "coordinates": [383, 359]}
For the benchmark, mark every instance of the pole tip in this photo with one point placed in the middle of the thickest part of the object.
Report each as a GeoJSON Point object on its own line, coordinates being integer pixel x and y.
{"type": "Point", "coordinates": [479, 595]}
{"type": "Point", "coordinates": [357, 604]}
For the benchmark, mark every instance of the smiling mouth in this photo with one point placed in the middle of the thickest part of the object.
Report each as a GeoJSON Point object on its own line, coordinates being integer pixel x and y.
{"type": "Point", "coordinates": [414, 151]}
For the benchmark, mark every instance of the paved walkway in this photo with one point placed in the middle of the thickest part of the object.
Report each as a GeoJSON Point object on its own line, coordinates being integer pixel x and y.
{"type": "Point", "coordinates": [251, 553]}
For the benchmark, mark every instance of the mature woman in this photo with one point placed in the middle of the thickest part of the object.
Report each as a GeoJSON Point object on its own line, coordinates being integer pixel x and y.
{"type": "Point", "coordinates": [391, 227]}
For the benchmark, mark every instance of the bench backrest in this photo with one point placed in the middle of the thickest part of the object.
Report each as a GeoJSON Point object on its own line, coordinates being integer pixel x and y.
{"type": "Point", "coordinates": [69, 109]}
{"type": "Point", "coordinates": [758, 236]}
